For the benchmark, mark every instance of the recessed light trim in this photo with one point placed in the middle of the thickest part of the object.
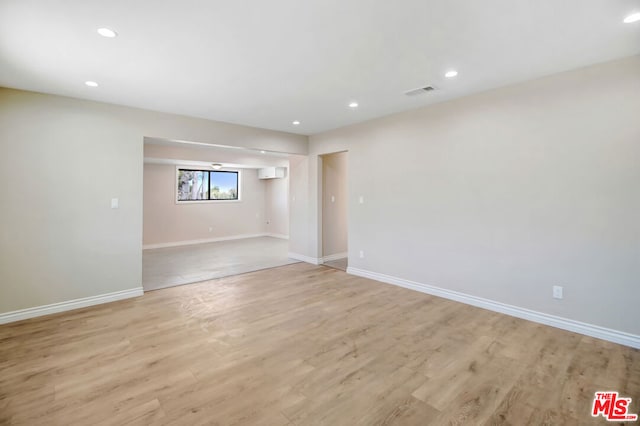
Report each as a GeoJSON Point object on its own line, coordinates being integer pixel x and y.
{"type": "Point", "coordinates": [296, 123]}
{"type": "Point", "coordinates": [353, 105]}
{"type": "Point", "coordinates": [107, 32]}
{"type": "Point", "coordinates": [91, 83]}
{"type": "Point", "coordinates": [634, 17]}
{"type": "Point", "coordinates": [451, 73]}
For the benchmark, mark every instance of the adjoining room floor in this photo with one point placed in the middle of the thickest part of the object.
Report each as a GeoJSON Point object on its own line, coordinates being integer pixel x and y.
{"type": "Point", "coordinates": [168, 267]}
{"type": "Point", "coordinates": [337, 264]}
{"type": "Point", "coordinates": [302, 345]}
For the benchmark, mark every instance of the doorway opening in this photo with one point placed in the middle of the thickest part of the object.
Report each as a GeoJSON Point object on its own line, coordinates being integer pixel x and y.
{"type": "Point", "coordinates": [211, 212]}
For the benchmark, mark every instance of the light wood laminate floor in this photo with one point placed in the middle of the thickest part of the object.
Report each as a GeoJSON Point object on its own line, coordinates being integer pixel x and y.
{"type": "Point", "coordinates": [301, 345]}
{"type": "Point", "coordinates": [171, 266]}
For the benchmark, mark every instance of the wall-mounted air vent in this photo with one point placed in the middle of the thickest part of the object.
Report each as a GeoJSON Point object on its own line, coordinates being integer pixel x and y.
{"type": "Point", "coordinates": [419, 91]}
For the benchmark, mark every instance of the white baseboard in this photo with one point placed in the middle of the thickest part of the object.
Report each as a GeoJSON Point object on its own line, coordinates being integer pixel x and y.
{"type": "Point", "coordinates": [203, 241]}
{"type": "Point", "coordinates": [303, 258]}
{"type": "Point", "coordinates": [54, 308]}
{"type": "Point", "coordinates": [336, 256]}
{"type": "Point", "coordinates": [591, 330]}
{"type": "Point", "coordinates": [316, 260]}
{"type": "Point", "coordinates": [281, 236]}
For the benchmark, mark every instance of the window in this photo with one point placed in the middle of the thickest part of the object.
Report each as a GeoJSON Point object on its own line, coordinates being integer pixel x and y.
{"type": "Point", "coordinates": [206, 185]}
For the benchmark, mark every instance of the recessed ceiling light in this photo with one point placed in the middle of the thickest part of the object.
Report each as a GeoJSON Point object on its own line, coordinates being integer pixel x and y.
{"type": "Point", "coordinates": [451, 74]}
{"type": "Point", "coordinates": [107, 32]}
{"type": "Point", "coordinates": [91, 83]}
{"type": "Point", "coordinates": [296, 123]}
{"type": "Point", "coordinates": [262, 152]}
{"type": "Point", "coordinates": [353, 105]}
{"type": "Point", "coordinates": [634, 17]}
{"type": "Point", "coordinates": [216, 166]}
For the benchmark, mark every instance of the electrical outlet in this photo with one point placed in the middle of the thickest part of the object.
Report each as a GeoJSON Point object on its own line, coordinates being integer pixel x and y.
{"type": "Point", "coordinates": [361, 254]}
{"type": "Point", "coordinates": [211, 229]}
{"type": "Point", "coordinates": [557, 292]}
{"type": "Point", "coordinates": [361, 199]}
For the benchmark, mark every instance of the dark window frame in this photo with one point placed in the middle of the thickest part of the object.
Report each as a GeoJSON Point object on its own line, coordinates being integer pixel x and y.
{"type": "Point", "coordinates": [209, 174]}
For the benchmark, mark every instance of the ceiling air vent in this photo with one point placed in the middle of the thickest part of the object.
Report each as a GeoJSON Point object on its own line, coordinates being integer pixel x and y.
{"type": "Point", "coordinates": [419, 91]}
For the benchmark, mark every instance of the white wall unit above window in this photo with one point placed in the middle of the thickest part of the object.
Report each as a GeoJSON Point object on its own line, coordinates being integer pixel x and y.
{"type": "Point", "coordinates": [271, 173]}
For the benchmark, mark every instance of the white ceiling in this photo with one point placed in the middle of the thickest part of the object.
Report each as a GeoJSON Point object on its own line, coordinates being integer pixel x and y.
{"type": "Point", "coordinates": [267, 63]}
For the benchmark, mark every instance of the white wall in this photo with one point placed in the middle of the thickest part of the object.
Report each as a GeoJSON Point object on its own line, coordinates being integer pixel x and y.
{"type": "Point", "coordinates": [165, 221]}
{"type": "Point", "coordinates": [277, 206]}
{"type": "Point", "coordinates": [334, 203]}
{"type": "Point", "coordinates": [503, 194]}
{"type": "Point", "coordinates": [299, 223]}
{"type": "Point", "coordinates": [61, 165]}
{"type": "Point", "coordinates": [262, 200]}
{"type": "Point", "coordinates": [210, 154]}
{"type": "Point", "coordinates": [61, 161]}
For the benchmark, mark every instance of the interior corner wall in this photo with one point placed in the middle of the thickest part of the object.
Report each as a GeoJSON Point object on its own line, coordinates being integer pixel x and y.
{"type": "Point", "coordinates": [504, 194]}
{"type": "Point", "coordinates": [166, 221]}
{"type": "Point", "coordinates": [299, 217]}
{"type": "Point", "coordinates": [62, 161]}
{"type": "Point", "coordinates": [334, 203]}
{"type": "Point", "coordinates": [277, 206]}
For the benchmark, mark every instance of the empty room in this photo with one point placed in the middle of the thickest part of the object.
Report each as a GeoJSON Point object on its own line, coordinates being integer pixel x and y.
{"type": "Point", "coordinates": [211, 212]}
{"type": "Point", "coordinates": [319, 212]}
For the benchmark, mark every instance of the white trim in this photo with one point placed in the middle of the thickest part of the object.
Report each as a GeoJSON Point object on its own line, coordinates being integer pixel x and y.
{"type": "Point", "coordinates": [591, 330]}
{"type": "Point", "coordinates": [317, 260]}
{"type": "Point", "coordinates": [303, 258]}
{"type": "Point", "coordinates": [53, 308]}
{"type": "Point", "coordinates": [203, 241]}
{"type": "Point", "coordinates": [336, 256]}
{"type": "Point", "coordinates": [281, 236]}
